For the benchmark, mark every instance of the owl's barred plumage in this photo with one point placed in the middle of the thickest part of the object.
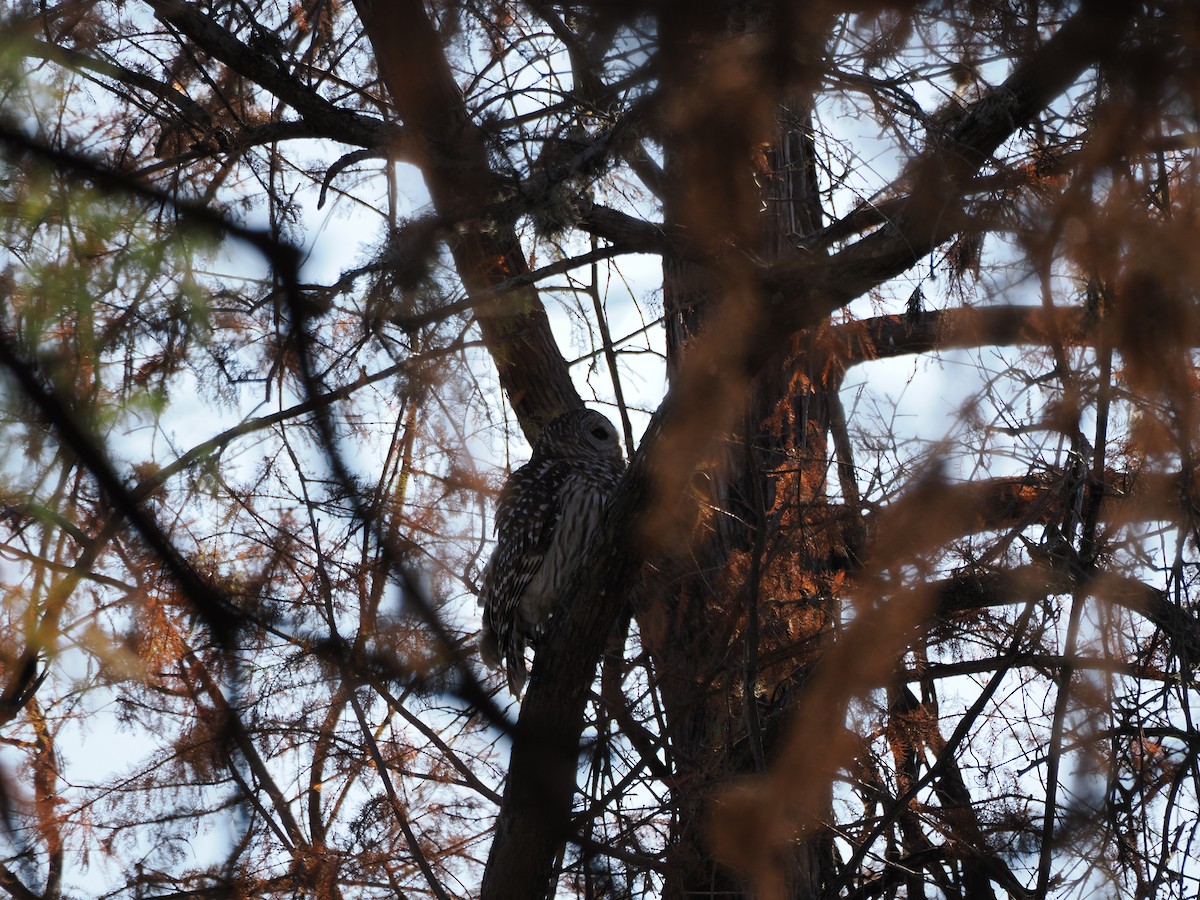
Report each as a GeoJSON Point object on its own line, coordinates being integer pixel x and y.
{"type": "Point", "coordinates": [549, 510]}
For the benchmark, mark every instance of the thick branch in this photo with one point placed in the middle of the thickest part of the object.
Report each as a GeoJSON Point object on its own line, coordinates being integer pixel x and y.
{"type": "Point", "coordinates": [449, 147]}
{"type": "Point", "coordinates": [973, 591]}
{"type": "Point", "coordinates": [325, 118]}
{"type": "Point", "coordinates": [883, 337]}
{"type": "Point", "coordinates": [637, 235]}
{"type": "Point", "coordinates": [932, 212]}
{"type": "Point", "coordinates": [80, 62]}
{"type": "Point", "coordinates": [13, 885]}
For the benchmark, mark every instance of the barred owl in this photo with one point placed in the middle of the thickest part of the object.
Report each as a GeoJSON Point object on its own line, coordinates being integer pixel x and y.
{"type": "Point", "coordinates": [549, 510]}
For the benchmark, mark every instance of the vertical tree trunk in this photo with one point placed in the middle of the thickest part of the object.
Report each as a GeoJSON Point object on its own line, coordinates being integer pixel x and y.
{"type": "Point", "coordinates": [740, 632]}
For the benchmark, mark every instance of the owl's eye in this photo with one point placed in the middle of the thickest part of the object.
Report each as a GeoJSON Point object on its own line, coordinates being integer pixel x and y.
{"type": "Point", "coordinates": [599, 434]}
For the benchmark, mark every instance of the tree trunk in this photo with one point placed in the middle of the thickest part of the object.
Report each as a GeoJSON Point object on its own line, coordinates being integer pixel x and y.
{"type": "Point", "coordinates": [743, 628]}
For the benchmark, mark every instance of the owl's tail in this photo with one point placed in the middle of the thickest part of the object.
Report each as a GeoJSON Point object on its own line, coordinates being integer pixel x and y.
{"type": "Point", "coordinates": [513, 660]}
{"type": "Point", "coordinates": [489, 649]}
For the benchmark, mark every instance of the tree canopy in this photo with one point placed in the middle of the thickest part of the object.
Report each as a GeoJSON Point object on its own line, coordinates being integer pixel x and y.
{"type": "Point", "coordinates": [894, 304]}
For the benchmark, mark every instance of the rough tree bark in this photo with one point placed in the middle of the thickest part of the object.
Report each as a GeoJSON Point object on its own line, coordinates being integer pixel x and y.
{"type": "Point", "coordinates": [741, 624]}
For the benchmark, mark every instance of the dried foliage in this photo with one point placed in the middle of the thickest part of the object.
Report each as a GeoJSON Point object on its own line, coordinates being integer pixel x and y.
{"type": "Point", "coordinates": [896, 306]}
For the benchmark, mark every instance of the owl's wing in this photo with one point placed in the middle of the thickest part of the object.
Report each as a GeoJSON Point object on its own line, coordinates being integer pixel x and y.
{"type": "Point", "coordinates": [526, 516]}
{"type": "Point", "coordinates": [546, 514]}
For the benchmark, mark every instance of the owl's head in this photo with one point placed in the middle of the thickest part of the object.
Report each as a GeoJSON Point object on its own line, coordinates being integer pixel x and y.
{"type": "Point", "coordinates": [580, 432]}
